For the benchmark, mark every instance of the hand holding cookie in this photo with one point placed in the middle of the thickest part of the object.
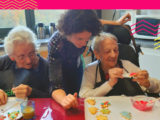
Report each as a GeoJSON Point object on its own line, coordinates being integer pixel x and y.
{"type": "Point", "coordinates": [114, 74]}
{"type": "Point", "coordinates": [142, 78]}
{"type": "Point", "coordinates": [22, 91]}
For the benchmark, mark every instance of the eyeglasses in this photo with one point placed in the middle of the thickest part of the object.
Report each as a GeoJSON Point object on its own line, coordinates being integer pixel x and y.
{"type": "Point", "coordinates": [30, 55]}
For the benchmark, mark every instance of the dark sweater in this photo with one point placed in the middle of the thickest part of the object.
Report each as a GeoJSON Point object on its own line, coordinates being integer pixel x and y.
{"type": "Point", "coordinates": [65, 65]}
{"type": "Point", "coordinates": [11, 76]}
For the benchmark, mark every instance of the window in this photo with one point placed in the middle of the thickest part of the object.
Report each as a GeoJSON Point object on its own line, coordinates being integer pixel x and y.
{"type": "Point", "coordinates": [11, 18]}
{"type": "Point", "coordinates": [30, 18]}
{"type": "Point", "coordinates": [47, 16]}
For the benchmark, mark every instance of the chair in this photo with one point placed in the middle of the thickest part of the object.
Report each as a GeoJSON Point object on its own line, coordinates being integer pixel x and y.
{"type": "Point", "coordinates": [126, 52]}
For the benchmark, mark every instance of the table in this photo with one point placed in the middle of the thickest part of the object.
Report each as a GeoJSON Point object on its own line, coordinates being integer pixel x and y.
{"type": "Point", "coordinates": [48, 109]}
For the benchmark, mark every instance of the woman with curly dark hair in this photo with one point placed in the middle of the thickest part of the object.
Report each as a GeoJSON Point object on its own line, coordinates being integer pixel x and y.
{"type": "Point", "coordinates": [75, 28]}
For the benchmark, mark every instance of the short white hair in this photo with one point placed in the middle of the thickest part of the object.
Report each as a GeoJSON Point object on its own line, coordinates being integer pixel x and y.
{"type": "Point", "coordinates": [98, 39]}
{"type": "Point", "coordinates": [19, 34]}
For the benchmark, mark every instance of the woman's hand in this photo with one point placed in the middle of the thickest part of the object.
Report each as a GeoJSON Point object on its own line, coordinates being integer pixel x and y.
{"type": "Point", "coordinates": [70, 101]}
{"type": "Point", "coordinates": [3, 97]}
{"type": "Point", "coordinates": [22, 91]}
{"type": "Point", "coordinates": [142, 78]}
{"type": "Point", "coordinates": [124, 19]}
{"type": "Point", "coordinates": [114, 74]}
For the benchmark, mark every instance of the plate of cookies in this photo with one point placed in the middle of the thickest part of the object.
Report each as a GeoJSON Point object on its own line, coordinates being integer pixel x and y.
{"type": "Point", "coordinates": [11, 110]}
{"type": "Point", "coordinates": [116, 108]}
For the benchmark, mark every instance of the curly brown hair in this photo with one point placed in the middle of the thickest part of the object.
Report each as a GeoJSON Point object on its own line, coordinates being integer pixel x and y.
{"type": "Point", "coordinates": [76, 21]}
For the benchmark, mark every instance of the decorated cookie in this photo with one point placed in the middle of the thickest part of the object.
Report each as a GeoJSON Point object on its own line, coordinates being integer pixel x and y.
{"type": "Point", "coordinates": [93, 110]}
{"type": "Point", "coordinates": [13, 115]}
{"type": "Point", "coordinates": [126, 115]}
{"type": "Point", "coordinates": [91, 101]}
{"type": "Point", "coordinates": [2, 117]}
{"type": "Point", "coordinates": [105, 111]}
{"type": "Point", "coordinates": [129, 75]}
{"type": "Point", "coordinates": [105, 104]}
{"type": "Point", "coordinates": [101, 117]}
{"type": "Point", "coordinates": [132, 74]}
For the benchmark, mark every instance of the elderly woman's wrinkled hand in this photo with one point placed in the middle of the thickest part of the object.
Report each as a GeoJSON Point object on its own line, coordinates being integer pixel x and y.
{"type": "Point", "coordinates": [124, 19]}
{"type": "Point", "coordinates": [142, 78]}
{"type": "Point", "coordinates": [114, 74]}
{"type": "Point", "coordinates": [3, 97]}
{"type": "Point", "coordinates": [22, 91]}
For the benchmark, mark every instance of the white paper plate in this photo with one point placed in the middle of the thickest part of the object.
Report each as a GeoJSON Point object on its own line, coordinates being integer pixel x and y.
{"type": "Point", "coordinates": [13, 104]}
{"type": "Point", "coordinates": [118, 105]}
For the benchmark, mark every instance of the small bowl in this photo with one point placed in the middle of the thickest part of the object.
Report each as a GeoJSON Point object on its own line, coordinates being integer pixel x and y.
{"type": "Point", "coordinates": [143, 103]}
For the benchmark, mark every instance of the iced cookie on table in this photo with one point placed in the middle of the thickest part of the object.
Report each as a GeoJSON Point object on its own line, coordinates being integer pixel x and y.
{"type": "Point", "coordinates": [91, 101]}
{"type": "Point", "coordinates": [13, 115]}
{"type": "Point", "coordinates": [105, 104]}
{"type": "Point", "coordinates": [2, 117]}
{"type": "Point", "coordinates": [93, 110]}
{"type": "Point", "coordinates": [126, 115]}
{"type": "Point", "coordinates": [101, 117]}
{"type": "Point", "coordinates": [105, 111]}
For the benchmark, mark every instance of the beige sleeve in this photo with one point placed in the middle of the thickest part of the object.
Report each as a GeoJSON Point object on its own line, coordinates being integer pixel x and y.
{"type": "Point", "coordinates": [88, 83]}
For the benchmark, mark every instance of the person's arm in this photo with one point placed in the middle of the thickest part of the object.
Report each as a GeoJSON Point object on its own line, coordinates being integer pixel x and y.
{"type": "Point", "coordinates": [151, 84]}
{"type": "Point", "coordinates": [56, 88]}
{"type": "Point", "coordinates": [121, 21]}
{"type": "Point", "coordinates": [66, 101]}
{"type": "Point", "coordinates": [88, 84]}
{"type": "Point", "coordinates": [23, 91]}
{"type": "Point", "coordinates": [55, 62]}
{"type": "Point", "coordinates": [56, 75]}
{"type": "Point", "coordinates": [39, 94]}
{"type": "Point", "coordinates": [154, 85]}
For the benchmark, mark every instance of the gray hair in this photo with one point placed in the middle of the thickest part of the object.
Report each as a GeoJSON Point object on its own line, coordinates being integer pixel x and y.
{"type": "Point", "coordinates": [98, 39]}
{"type": "Point", "coordinates": [19, 34]}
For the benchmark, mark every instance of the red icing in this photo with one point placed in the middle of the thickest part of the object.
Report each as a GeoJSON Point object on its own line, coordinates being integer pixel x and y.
{"type": "Point", "coordinates": [142, 105]}
{"type": "Point", "coordinates": [2, 117]}
{"type": "Point", "coordinates": [132, 74]}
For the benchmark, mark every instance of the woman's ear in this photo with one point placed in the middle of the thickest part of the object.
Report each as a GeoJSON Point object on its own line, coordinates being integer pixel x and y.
{"type": "Point", "coordinates": [96, 54]}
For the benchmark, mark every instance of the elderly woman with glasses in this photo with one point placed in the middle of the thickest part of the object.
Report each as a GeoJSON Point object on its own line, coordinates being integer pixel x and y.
{"type": "Point", "coordinates": [23, 73]}
{"type": "Point", "coordinates": [107, 75]}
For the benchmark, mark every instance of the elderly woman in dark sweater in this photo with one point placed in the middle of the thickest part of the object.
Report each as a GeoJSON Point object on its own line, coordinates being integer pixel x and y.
{"type": "Point", "coordinates": [23, 73]}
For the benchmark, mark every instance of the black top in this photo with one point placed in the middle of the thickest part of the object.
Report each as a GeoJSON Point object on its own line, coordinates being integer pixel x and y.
{"type": "Point", "coordinates": [65, 65]}
{"type": "Point", "coordinates": [124, 86]}
{"type": "Point", "coordinates": [11, 76]}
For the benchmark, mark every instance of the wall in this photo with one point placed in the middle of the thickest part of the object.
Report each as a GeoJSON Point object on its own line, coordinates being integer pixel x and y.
{"type": "Point", "coordinates": [150, 61]}
{"type": "Point", "coordinates": [108, 14]}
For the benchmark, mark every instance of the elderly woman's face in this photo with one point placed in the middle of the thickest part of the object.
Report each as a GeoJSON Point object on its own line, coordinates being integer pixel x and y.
{"type": "Point", "coordinates": [24, 55]}
{"type": "Point", "coordinates": [108, 53]}
{"type": "Point", "coordinates": [79, 39]}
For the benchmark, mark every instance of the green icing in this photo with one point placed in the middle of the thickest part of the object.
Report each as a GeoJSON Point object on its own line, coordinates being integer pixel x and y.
{"type": "Point", "coordinates": [126, 115]}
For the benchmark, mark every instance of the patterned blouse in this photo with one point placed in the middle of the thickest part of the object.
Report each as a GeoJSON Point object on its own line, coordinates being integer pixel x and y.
{"type": "Point", "coordinates": [65, 65]}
